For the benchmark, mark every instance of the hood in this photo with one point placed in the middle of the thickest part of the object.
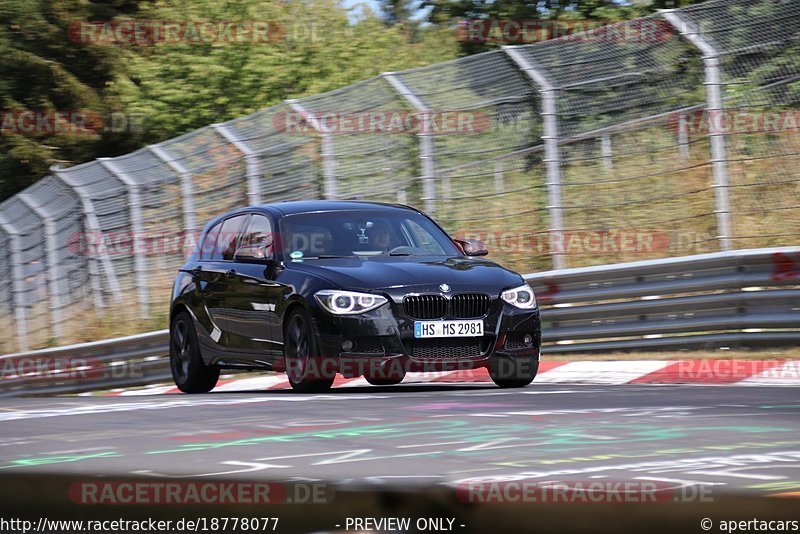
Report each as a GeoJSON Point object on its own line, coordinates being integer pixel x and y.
{"type": "Point", "coordinates": [407, 271]}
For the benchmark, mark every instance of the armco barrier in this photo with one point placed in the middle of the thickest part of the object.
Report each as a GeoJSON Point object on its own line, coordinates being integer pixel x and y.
{"type": "Point", "coordinates": [737, 299]}
{"type": "Point", "coordinates": [121, 362]}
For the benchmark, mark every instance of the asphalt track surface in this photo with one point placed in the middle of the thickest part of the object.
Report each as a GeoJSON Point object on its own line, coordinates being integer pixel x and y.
{"type": "Point", "coordinates": [726, 437]}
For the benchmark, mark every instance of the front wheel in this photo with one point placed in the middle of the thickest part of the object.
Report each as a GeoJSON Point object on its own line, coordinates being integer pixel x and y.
{"type": "Point", "coordinates": [513, 372]}
{"type": "Point", "coordinates": [190, 373]}
{"type": "Point", "coordinates": [306, 370]}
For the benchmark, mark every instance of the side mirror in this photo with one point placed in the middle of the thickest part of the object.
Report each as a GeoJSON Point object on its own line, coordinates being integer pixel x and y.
{"type": "Point", "coordinates": [251, 254]}
{"type": "Point", "coordinates": [472, 247]}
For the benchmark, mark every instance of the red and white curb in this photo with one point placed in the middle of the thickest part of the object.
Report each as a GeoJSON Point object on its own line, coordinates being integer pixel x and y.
{"type": "Point", "coordinates": [708, 371]}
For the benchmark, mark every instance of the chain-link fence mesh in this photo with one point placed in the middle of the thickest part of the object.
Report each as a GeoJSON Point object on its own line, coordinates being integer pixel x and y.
{"type": "Point", "coordinates": [485, 114]}
{"type": "Point", "coordinates": [67, 276]}
{"type": "Point", "coordinates": [759, 47]}
{"type": "Point", "coordinates": [663, 136]}
{"type": "Point", "coordinates": [218, 171]}
{"type": "Point", "coordinates": [30, 292]}
{"type": "Point", "coordinates": [629, 188]}
{"type": "Point", "coordinates": [287, 155]}
{"type": "Point", "coordinates": [373, 158]}
{"type": "Point", "coordinates": [108, 228]}
{"type": "Point", "coordinates": [8, 341]}
{"type": "Point", "coordinates": [162, 238]}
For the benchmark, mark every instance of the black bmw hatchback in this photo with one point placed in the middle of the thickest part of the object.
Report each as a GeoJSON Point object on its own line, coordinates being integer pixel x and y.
{"type": "Point", "coordinates": [359, 288]}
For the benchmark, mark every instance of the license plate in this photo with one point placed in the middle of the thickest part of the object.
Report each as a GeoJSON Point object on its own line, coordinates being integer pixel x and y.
{"type": "Point", "coordinates": [424, 329]}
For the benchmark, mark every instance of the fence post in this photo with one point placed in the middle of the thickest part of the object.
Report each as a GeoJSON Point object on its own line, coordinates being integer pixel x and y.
{"type": "Point", "coordinates": [250, 159]}
{"type": "Point", "coordinates": [607, 152]}
{"type": "Point", "coordinates": [138, 238]}
{"type": "Point", "coordinates": [93, 226]}
{"type": "Point", "coordinates": [683, 135]}
{"type": "Point", "coordinates": [552, 152]}
{"type": "Point", "coordinates": [426, 149]}
{"type": "Point", "coordinates": [187, 188]}
{"type": "Point", "coordinates": [53, 275]}
{"type": "Point", "coordinates": [18, 291]}
{"type": "Point", "coordinates": [714, 110]}
{"type": "Point", "coordinates": [327, 150]}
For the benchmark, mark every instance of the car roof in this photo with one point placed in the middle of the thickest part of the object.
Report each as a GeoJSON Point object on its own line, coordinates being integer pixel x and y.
{"type": "Point", "coordinates": [280, 209]}
{"type": "Point", "coordinates": [310, 206]}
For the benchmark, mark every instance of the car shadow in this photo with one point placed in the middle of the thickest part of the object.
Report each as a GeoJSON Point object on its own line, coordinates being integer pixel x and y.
{"type": "Point", "coordinates": [400, 388]}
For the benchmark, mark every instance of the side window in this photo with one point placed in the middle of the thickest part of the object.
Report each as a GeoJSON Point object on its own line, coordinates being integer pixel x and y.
{"type": "Point", "coordinates": [259, 233]}
{"type": "Point", "coordinates": [209, 243]}
{"type": "Point", "coordinates": [228, 237]}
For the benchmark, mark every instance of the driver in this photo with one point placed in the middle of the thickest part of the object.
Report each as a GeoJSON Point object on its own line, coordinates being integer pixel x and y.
{"type": "Point", "coordinates": [379, 236]}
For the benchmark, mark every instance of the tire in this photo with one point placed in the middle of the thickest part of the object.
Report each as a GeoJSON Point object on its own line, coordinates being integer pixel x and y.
{"type": "Point", "coordinates": [509, 372]}
{"type": "Point", "coordinates": [189, 372]}
{"type": "Point", "coordinates": [306, 369]}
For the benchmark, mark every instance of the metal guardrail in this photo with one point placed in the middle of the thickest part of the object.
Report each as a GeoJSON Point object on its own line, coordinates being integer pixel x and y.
{"type": "Point", "coordinates": [727, 299]}
{"type": "Point", "coordinates": [736, 299]}
{"type": "Point", "coordinates": [121, 362]}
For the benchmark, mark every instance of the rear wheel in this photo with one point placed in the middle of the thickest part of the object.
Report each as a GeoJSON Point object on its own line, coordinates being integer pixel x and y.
{"type": "Point", "coordinates": [190, 373]}
{"type": "Point", "coordinates": [513, 372]}
{"type": "Point", "coordinates": [307, 371]}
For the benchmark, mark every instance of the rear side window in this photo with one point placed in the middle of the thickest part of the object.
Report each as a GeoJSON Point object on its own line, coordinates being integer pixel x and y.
{"type": "Point", "coordinates": [210, 242]}
{"type": "Point", "coordinates": [228, 237]}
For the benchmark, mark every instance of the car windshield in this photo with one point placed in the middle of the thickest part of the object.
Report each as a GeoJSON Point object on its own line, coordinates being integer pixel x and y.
{"type": "Point", "coordinates": [362, 234]}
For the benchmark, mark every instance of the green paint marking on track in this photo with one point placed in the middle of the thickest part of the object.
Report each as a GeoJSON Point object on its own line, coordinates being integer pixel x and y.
{"type": "Point", "coordinates": [47, 460]}
{"type": "Point", "coordinates": [782, 485]}
{"type": "Point", "coordinates": [583, 435]}
{"type": "Point", "coordinates": [467, 431]}
{"type": "Point", "coordinates": [348, 432]}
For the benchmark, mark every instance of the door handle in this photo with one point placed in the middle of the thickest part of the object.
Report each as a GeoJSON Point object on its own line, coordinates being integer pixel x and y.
{"type": "Point", "coordinates": [230, 273]}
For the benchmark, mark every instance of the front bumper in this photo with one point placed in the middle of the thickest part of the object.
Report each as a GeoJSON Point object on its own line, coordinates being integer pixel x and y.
{"type": "Point", "coordinates": [383, 339]}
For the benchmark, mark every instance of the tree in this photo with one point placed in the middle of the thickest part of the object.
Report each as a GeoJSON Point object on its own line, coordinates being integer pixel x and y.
{"type": "Point", "coordinates": [315, 48]}
{"type": "Point", "coordinates": [48, 81]}
{"type": "Point", "coordinates": [173, 87]}
{"type": "Point", "coordinates": [398, 11]}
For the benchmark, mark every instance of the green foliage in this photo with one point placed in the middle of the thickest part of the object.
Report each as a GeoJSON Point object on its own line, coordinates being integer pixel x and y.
{"type": "Point", "coordinates": [42, 71]}
{"type": "Point", "coordinates": [174, 88]}
{"type": "Point", "coordinates": [180, 87]}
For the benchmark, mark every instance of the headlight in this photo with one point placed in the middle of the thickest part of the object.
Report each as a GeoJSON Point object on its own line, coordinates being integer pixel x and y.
{"type": "Point", "coordinates": [521, 297]}
{"type": "Point", "coordinates": [340, 302]}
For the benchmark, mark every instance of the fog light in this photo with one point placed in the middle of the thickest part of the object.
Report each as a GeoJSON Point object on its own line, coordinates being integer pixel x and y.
{"type": "Point", "coordinates": [528, 339]}
{"type": "Point", "coordinates": [347, 345]}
